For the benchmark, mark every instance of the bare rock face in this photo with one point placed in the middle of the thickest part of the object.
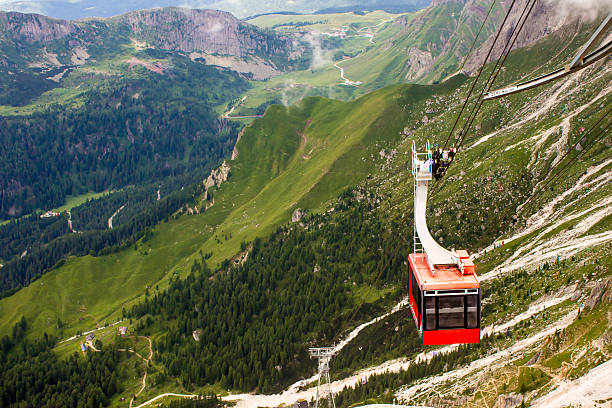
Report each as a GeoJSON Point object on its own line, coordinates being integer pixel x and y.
{"type": "Point", "coordinates": [210, 31]}
{"type": "Point", "coordinates": [419, 62]}
{"type": "Point", "coordinates": [217, 36]}
{"type": "Point", "coordinates": [545, 18]}
{"type": "Point", "coordinates": [509, 400]}
{"type": "Point", "coordinates": [218, 176]}
{"type": "Point", "coordinates": [298, 214]}
{"type": "Point", "coordinates": [596, 294]}
{"type": "Point", "coordinates": [34, 27]}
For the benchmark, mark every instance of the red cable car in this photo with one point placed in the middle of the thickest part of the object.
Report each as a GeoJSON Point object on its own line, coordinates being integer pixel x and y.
{"type": "Point", "coordinates": [444, 289]}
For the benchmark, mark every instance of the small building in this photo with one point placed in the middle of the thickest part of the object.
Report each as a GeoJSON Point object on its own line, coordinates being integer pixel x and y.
{"type": "Point", "coordinates": [301, 404]}
{"type": "Point", "coordinates": [122, 331]}
{"type": "Point", "coordinates": [83, 348]}
{"type": "Point", "coordinates": [90, 337]}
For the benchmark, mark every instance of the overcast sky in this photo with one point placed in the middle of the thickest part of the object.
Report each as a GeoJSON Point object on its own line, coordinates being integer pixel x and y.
{"type": "Point", "coordinates": [73, 9]}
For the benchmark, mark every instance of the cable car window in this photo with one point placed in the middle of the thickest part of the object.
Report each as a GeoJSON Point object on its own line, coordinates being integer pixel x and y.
{"type": "Point", "coordinates": [472, 311]}
{"type": "Point", "coordinates": [416, 295]}
{"type": "Point", "coordinates": [451, 312]}
{"type": "Point", "coordinates": [430, 313]}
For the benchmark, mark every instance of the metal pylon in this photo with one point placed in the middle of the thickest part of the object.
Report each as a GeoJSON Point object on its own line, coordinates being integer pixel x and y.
{"type": "Point", "coordinates": [323, 354]}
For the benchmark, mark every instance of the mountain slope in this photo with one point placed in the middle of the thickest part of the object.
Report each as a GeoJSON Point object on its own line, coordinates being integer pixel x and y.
{"type": "Point", "coordinates": [540, 258]}
{"type": "Point", "coordinates": [548, 251]}
{"type": "Point", "coordinates": [33, 44]}
{"type": "Point", "coordinates": [104, 75]}
{"type": "Point", "coordinates": [298, 157]}
{"type": "Point", "coordinates": [356, 56]}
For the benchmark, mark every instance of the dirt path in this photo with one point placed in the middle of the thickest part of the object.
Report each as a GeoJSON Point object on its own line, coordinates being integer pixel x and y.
{"type": "Point", "coordinates": [370, 34]}
{"type": "Point", "coordinates": [596, 385]}
{"type": "Point", "coordinates": [167, 394]}
{"type": "Point", "coordinates": [345, 79]}
{"type": "Point", "coordinates": [110, 220]}
{"type": "Point", "coordinates": [91, 346]}
{"type": "Point", "coordinates": [144, 377]}
{"type": "Point", "coordinates": [227, 114]}
{"type": "Point", "coordinates": [85, 333]}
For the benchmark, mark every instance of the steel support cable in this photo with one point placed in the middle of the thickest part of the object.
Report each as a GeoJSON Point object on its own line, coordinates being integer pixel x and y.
{"type": "Point", "coordinates": [477, 35]}
{"type": "Point", "coordinates": [585, 148]}
{"type": "Point", "coordinates": [496, 70]}
{"type": "Point", "coordinates": [492, 77]}
{"type": "Point", "coordinates": [484, 62]}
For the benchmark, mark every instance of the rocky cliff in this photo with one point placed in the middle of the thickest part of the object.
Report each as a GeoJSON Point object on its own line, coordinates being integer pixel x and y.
{"type": "Point", "coordinates": [32, 28]}
{"type": "Point", "coordinates": [29, 39]}
{"type": "Point", "coordinates": [442, 50]}
{"type": "Point", "coordinates": [210, 31]}
{"type": "Point", "coordinates": [545, 18]}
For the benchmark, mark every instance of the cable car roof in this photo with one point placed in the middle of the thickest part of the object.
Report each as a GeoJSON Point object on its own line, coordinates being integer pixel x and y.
{"type": "Point", "coordinates": [446, 278]}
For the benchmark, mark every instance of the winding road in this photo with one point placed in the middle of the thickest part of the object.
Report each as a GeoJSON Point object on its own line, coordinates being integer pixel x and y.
{"type": "Point", "coordinates": [110, 220]}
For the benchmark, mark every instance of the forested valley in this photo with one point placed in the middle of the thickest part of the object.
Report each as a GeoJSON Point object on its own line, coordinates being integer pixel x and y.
{"type": "Point", "coordinates": [126, 131]}
{"type": "Point", "coordinates": [297, 288]}
{"type": "Point", "coordinates": [43, 253]}
{"type": "Point", "coordinates": [148, 139]}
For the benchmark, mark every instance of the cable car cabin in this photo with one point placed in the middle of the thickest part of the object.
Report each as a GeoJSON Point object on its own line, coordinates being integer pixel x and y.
{"type": "Point", "coordinates": [446, 303]}
{"type": "Point", "coordinates": [444, 289]}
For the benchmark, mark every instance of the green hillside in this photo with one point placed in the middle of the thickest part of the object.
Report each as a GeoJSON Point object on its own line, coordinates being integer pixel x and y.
{"type": "Point", "coordinates": [262, 288]}
{"type": "Point", "coordinates": [321, 21]}
{"type": "Point", "coordinates": [420, 47]}
{"type": "Point", "coordinates": [297, 157]}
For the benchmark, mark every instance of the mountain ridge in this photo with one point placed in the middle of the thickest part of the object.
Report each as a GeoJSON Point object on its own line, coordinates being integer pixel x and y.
{"type": "Point", "coordinates": [211, 31]}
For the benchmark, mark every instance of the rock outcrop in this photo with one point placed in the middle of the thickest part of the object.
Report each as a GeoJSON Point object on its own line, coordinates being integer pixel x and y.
{"type": "Point", "coordinates": [419, 61]}
{"type": "Point", "coordinates": [209, 31]}
{"type": "Point", "coordinates": [546, 17]}
{"type": "Point", "coordinates": [218, 176]}
{"type": "Point", "coordinates": [298, 214]}
{"type": "Point", "coordinates": [217, 37]}
{"type": "Point", "coordinates": [32, 28]}
{"type": "Point", "coordinates": [596, 294]}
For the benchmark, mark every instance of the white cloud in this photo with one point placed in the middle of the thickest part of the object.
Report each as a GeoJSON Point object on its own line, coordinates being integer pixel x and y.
{"type": "Point", "coordinates": [588, 9]}
{"type": "Point", "coordinates": [319, 59]}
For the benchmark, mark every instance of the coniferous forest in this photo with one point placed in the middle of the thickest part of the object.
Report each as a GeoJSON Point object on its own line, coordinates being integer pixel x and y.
{"type": "Point", "coordinates": [32, 375]}
{"type": "Point", "coordinates": [296, 289]}
{"type": "Point", "coordinates": [126, 131]}
{"type": "Point", "coordinates": [20, 271]}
